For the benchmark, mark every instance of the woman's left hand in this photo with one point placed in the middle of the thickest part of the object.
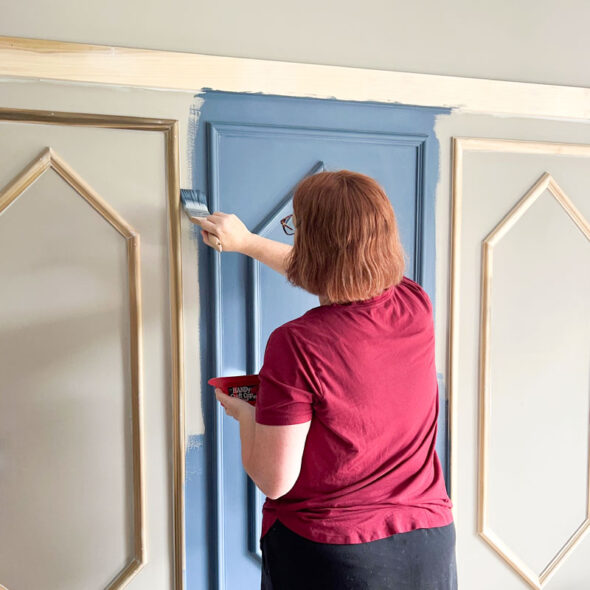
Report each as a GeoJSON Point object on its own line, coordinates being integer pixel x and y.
{"type": "Point", "coordinates": [234, 406]}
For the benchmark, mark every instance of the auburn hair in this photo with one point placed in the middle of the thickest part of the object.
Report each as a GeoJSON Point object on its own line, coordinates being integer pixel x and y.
{"type": "Point", "coordinates": [346, 244]}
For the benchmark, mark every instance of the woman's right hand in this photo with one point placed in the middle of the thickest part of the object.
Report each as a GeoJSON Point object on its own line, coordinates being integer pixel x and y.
{"type": "Point", "coordinates": [227, 228]}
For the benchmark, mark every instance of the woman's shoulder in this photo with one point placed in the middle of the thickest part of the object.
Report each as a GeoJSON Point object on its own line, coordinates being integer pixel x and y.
{"type": "Point", "coordinates": [417, 290]}
{"type": "Point", "coordinates": [406, 280]}
{"type": "Point", "coordinates": [301, 332]}
{"type": "Point", "coordinates": [297, 326]}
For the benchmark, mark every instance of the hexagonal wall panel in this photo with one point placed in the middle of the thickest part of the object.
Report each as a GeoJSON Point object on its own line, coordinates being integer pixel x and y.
{"type": "Point", "coordinates": [48, 160]}
{"type": "Point", "coordinates": [507, 552]}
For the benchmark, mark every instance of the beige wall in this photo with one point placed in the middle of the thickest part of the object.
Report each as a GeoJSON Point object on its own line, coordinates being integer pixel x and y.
{"type": "Point", "coordinates": [526, 41]}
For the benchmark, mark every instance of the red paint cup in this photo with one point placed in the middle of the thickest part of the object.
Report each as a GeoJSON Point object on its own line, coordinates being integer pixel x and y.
{"type": "Point", "coordinates": [244, 387]}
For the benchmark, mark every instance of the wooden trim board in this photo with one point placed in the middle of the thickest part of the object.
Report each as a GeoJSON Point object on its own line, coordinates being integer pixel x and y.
{"type": "Point", "coordinates": [170, 70]}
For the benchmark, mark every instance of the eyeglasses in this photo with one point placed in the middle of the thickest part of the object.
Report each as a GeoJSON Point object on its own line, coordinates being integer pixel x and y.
{"type": "Point", "coordinates": [288, 224]}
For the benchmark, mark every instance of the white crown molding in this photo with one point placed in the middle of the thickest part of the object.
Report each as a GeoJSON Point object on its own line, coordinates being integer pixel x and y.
{"type": "Point", "coordinates": [168, 70]}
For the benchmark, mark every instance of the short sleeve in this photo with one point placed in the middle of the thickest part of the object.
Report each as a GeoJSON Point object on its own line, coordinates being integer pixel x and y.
{"type": "Point", "coordinates": [286, 391]}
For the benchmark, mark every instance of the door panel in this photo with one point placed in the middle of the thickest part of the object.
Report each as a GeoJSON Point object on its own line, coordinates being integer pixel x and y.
{"type": "Point", "coordinates": [256, 149]}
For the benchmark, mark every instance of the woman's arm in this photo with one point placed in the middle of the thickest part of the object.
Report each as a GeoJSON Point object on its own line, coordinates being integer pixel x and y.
{"type": "Point", "coordinates": [271, 455]}
{"type": "Point", "coordinates": [235, 237]}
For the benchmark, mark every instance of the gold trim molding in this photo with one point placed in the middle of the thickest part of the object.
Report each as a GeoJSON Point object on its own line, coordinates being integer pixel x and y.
{"type": "Point", "coordinates": [170, 70]}
{"type": "Point", "coordinates": [546, 182]}
{"type": "Point", "coordinates": [48, 159]}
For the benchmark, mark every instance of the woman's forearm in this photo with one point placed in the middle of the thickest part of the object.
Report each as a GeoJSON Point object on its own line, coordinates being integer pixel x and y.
{"type": "Point", "coordinates": [273, 254]}
{"type": "Point", "coordinates": [230, 232]}
{"type": "Point", "coordinates": [247, 427]}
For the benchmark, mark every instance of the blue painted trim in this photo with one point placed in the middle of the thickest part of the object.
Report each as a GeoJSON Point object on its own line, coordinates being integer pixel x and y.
{"type": "Point", "coordinates": [418, 214]}
{"type": "Point", "coordinates": [258, 130]}
{"type": "Point", "coordinates": [427, 275]}
{"type": "Point", "coordinates": [217, 570]}
{"type": "Point", "coordinates": [253, 362]}
{"type": "Point", "coordinates": [253, 294]}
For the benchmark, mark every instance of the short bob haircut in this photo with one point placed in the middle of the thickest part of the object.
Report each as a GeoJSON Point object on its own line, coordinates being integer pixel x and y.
{"type": "Point", "coordinates": [347, 246]}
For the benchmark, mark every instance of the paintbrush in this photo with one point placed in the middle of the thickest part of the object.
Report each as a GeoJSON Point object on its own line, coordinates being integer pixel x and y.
{"type": "Point", "coordinates": [195, 207]}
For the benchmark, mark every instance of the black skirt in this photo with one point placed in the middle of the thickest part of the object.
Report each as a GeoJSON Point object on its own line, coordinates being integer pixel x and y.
{"type": "Point", "coordinates": [422, 559]}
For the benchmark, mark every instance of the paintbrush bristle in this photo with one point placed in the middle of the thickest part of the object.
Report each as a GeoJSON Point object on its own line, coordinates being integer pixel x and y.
{"type": "Point", "coordinates": [195, 206]}
{"type": "Point", "coordinates": [194, 203]}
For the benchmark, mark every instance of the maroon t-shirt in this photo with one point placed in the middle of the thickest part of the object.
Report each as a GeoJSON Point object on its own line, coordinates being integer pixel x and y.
{"type": "Point", "coordinates": [364, 374]}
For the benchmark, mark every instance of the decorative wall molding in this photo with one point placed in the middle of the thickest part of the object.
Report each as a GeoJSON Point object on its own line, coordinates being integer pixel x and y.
{"type": "Point", "coordinates": [49, 159]}
{"type": "Point", "coordinates": [546, 182]}
{"type": "Point", "coordinates": [169, 70]}
{"type": "Point", "coordinates": [535, 580]}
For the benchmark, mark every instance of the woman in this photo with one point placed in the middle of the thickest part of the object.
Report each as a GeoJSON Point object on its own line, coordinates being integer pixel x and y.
{"type": "Point", "coordinates": [342, 438]}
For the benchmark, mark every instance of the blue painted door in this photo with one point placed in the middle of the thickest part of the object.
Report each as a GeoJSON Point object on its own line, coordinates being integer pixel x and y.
{"type": "Point", "coordinates": [250, 152]}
